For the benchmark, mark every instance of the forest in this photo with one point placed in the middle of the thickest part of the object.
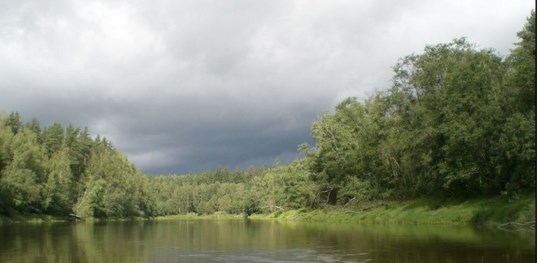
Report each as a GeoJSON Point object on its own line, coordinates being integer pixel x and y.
{"type": "Point", "coordinates": [457, 122]}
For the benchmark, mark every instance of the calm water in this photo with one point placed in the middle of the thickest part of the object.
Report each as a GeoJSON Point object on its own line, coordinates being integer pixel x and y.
{"type": "Point", "coordinates": [255, 241]}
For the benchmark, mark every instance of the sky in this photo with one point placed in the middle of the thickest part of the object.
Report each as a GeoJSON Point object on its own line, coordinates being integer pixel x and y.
{"type": "Point", "coordinates": [188, 86]}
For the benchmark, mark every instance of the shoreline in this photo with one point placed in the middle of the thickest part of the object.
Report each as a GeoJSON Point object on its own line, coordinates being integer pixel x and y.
{"type": "Point", "coordinates": [483, 212]}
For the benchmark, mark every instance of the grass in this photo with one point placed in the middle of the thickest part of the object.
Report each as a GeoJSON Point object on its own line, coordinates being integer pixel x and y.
{"type": "Point", "coordinates": [189, 216]}
{"type": "Point", "coordinates": [476, 212]}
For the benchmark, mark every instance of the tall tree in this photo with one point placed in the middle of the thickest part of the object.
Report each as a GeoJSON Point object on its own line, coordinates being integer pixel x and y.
{"type": "Point", "coordinates": [25, 175]}
{"type": "Point", "coordinates": [14, 122]}
{"type": "Point", "coordinates": [53, 137]}
{"type": "Point", "coordinates": [35, 126]}
{"type": "Point", "coordinates": [59, 184]}
{"type": "Point", "coordinates": [521, 69]}
{"type": "Point", "coordinates": [517, 101]}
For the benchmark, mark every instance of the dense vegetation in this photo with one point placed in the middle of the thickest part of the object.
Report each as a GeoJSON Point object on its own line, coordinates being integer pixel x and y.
{"type": "Point", "coordinates": [59, 171]}
{"type": "Point", "coordinates": [458, 122]}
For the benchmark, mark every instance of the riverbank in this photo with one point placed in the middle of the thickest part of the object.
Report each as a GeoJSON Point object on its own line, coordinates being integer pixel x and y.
{"type": "Point", "coordinates": [31, 219]}
{"type": "Point", "coordinates": [487, 212]}
{"type": "Point", "coordinates": [43, 218]}
{"type": "Point", "coordinates": [39, 219]}
{"type": "Point", "coordinates": [494, 211]}
{"type": "Point", "coordinates": [193, 216]}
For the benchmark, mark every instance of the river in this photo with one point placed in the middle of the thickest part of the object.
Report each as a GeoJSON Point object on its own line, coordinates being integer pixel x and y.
{"type": "Point", "coordinates": [258, 241]}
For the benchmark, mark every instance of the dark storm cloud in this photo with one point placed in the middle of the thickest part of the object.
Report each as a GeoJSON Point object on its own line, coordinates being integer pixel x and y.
{"type": "Point", "coordinates": [192, 85]}
{"type": "Point", "coordinates": [196, 133]}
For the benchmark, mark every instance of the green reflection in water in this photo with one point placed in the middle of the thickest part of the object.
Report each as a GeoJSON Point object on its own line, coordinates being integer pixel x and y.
{"type": "Point", "coordinates": [258, 241]}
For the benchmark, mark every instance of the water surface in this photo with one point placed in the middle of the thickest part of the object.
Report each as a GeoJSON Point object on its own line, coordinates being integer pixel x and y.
{"type": "Point", "coordinates": [258, 241]}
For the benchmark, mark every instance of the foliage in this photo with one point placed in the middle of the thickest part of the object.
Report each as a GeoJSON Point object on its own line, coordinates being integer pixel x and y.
{"type": "Point", "coordinates": [248, 192]}
{"type": "Point", "coordinates": [58, 171]}
{"type": "Point", "coordinates": [457, 122]}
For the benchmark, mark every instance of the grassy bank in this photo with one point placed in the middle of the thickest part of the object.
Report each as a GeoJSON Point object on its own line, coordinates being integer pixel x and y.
{"type": "Point", "coordinates": [493, 211]}
{"type": "Point", "coordinates": [31, 218]}
{"type": "Point", "coordinates": [37, 219]}
{"type": "Point", "coordinates": [478, 212]}
{"type": "Point", "coordinates": [189, 216]}
{"type": "Point", "coordinates": [43, 218]}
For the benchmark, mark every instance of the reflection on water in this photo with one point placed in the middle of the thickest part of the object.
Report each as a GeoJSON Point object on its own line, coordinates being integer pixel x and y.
{"type": "Point", "coordinates": [272, 256]}
{"type": "Point", "coordinates": [256, 241]}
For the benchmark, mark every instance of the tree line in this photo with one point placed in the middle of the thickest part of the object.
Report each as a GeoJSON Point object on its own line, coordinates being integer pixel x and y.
{"type": "Point", "coordinates": [457, 122]}
{"type": "Point", "coordinates": [60, 170]}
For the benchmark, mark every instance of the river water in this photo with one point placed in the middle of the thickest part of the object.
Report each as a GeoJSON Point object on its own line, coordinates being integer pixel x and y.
{"type": "Point", "coordinates": [259, 241]}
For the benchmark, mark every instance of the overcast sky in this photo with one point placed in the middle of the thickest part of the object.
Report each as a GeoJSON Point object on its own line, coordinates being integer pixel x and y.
{"type": "Point", "coordinates": [186, 86]}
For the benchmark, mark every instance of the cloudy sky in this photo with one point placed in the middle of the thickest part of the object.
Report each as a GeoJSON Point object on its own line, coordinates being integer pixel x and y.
{"type": "Point", "coordinates": [184, 86]}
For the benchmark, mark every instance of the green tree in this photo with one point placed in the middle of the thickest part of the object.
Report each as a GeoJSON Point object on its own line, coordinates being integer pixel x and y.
{"type": "Point", "coordinates": [112, 186]}
{"type": "Point", "coordinates": [14, 122]}
{"type": "Point", "coordinates": [283, 187]}
{"type": "Point", "coordinates": [456, 122]}
{"type": "Point", "coordinates": [6, 156]}
{"type": "Point", "coordinates": [516, 143]}
{"type": "Point", "coordinates": [521, 71]}
{"type": "Point", "coordinates": [348, 145]}
{"type": "Point", "coordinates": [23, 178]}
{"type": "Point", "coordinates": [53, 137]}
{"type": "Point", "coordinates": [59, 185]}
{"type": "Point", "coordinates": [35, 126]}
{"type": "Point", "coordinates": [467, 129]}
{"type": "Point", "coordinates": [79, 153]}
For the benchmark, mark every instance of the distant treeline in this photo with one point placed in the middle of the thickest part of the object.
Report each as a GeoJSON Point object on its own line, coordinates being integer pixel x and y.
{"type": "Point", "coordinates": [458, 122]}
